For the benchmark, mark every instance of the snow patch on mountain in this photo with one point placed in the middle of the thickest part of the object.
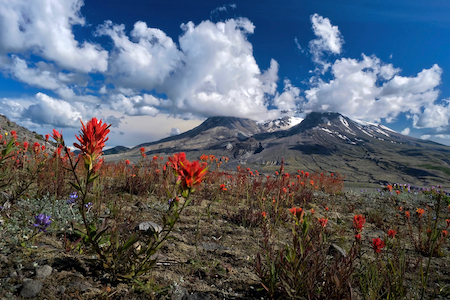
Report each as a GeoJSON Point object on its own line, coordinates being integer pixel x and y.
{"type": "Point", "coordinates": [282, 123]}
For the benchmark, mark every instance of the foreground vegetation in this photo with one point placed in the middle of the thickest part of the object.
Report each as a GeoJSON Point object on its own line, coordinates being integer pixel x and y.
{"type": "Point", "coordinates": [167, 228]}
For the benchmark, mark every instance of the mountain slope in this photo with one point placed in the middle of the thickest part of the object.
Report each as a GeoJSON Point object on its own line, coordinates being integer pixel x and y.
{"type": "Point", "coordinates": [326, 142]}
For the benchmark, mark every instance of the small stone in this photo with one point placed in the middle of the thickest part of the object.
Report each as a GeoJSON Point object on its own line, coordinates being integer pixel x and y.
{"type": "Point", "coordinates": [31, 288]}
{"type": "Point", "coordinates": [44, 271]}
{"type": "Point", "coordinates": [335, 249]}
{"type": "Point", "coordinates": [13, 274]}
{"type": "Point", "coordinates": [149, 227]}
{"type": "Point", "coordinates": [61, 289]}
{"type": "Point", "coordinates": [3, 258]}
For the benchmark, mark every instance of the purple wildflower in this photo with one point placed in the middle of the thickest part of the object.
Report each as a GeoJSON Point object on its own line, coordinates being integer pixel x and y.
{"type": "Point", "coordinates": [42, 222]}
{"type": "Point", "coordinates": [73, 197]}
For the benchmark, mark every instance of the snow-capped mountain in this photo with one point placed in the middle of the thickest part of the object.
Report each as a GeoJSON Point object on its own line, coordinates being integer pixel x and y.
{"type": "Point", "coordinates": [363, 151]}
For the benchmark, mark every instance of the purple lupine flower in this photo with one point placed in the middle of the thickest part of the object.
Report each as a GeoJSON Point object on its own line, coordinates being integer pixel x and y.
{"type": "Point", "coordinates": [42, 222]}
{"type": "Point", "coordinates": [73, 197]}
{"type": "Point", "coordinates": [88, 205]}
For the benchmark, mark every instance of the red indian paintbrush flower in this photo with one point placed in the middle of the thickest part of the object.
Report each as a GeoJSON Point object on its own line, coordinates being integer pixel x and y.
{"type": "Point", "coordinates": [223, 187]}
{"type": "Point", "coordinates": [323, 222]}
{"type": "Point", "coordinates": [297, 211]}
{"type": "Point", "coordinates": [92, 139]}
{"type": "Point", "coordinates": [420, 212]}
{"type": "Point", "coordinates": [392, 233]}
{"type": "Point", "coordinates": [358, 222]}
{"type": "Point", "coordinates": [190, 174]}
{"type": "Point", "coordinates": [378, 245]}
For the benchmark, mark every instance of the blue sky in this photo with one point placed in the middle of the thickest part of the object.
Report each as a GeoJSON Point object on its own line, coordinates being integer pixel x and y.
{"type": "Point", "coordinates": [155, 68]}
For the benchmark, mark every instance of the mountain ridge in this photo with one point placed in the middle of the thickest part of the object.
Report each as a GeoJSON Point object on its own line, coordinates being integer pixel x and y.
{"type": "Point", "coordinates": [364, 152]}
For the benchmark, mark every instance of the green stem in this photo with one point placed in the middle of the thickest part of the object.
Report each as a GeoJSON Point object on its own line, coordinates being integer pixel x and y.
{"type": "Point", "coordinates": [424, 283]}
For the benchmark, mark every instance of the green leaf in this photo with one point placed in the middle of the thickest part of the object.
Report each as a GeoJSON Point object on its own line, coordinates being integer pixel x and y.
{"type": "Point", "coordinates": [133, 239]}
{"type": "Point", "coordinates": [76, 186]}
{"type": "Point", "coordinates": [99, 234]}
{"type": "Point", "coordinates": [92, 178]}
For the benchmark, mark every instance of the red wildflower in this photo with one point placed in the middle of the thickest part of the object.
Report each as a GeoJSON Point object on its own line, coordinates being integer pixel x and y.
{"type": "Point", "coordinates": [43, 147]}
{"type": "Point", "coordinates": [297, 211]}
{"type": "Point", "coordinates": [444, 232]}
{"type": "Point", "coordinates": [398, 192]}
{"type": "Point", "coordinates": [392, 233]}
{"type": "Point", "coordinates": [127, 162]}
{"type": "Point", "coordinates": [56, 136]}
{"type": "Point", "coordinates": [326, 208]}
{"type": "Point", "coordinates": [389, 187]}
{"type": "Point", "coordinates": [92, 139]}
{"type": "Point", "coordinates": [420, 212]}
{"type": "Point", "coordinates": [142, 150]}
{"type": "Point", "coordinates": [276, 173]}
{"type": "Point", "coordinates": [311, 182]}
{"type": "Point", "coordinates": [47, 136]}
{"type": "Point", "coordinates": [177, 161]}
{"type": "Point", "coordinates": [36, 147]}
{"type": "Point", "coordinates": [377, 245]}
{"type": "Point", "coordinates": [407, 214]}
{"type": "Point", "coordinates": [190, 174]}
{"type": "Point", "coordinates": [14, 134]}
{"type": "Point", "coordinates": [306, 174]}
{"type": "Point", "coordinates": [25, 146]}
{"type": "Point", "coordinates": [358, 222]}
{"type": "Point", "coordinates": [222, 187]}
{"type": "Point", "coordinates": [323, 222]}
{"type": "Point", "coordinates": [313, 211]}
{"type": "Point", "coordinates": [448, 222]}
{"type": "Point", "coordinates": [264, 214]}
{"type": "Point", "coordinates": [358, 237]}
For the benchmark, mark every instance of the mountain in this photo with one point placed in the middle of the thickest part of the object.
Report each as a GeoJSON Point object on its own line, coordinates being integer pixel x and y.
{"type": "Point", "coordinates": [23, 134]}
{"type": "Point", "coordinates": [325, 142]}
{"type": "Point", "coordinates": [115, 150]}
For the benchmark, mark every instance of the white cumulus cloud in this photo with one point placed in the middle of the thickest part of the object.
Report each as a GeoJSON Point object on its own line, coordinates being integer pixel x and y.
{"type": "Point", "coordinates": [44, 28]}
{"type": "Point", "coordinates": [46, 110]}
{"type": "Point", "coordinates": [135, 105]}
{"type": "Point", "coordinates": [145, 61]}
{"type": "Point", "coordinates": [211, 72]}
{"type": "Point", "coordinates": [329, 39]}
{"type": "Point", "coordinates": [405, 131]}
{"type": "Point", "coordinates": [370, 89]}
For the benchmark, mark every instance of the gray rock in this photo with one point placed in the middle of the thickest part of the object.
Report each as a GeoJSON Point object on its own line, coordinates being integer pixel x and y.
{"type": "Point", "coordinates": [61, 289]}
{"type": "Point", "coordinates": [336, 250]}
{"type": "Point", "coordinates": [149, 227]}
{"type": "Point", "coordinates": [43, 272]}
{"type": "Point", "coordinates": [214, 247]}
{"type": "Point", "coordinates": [31, 288]}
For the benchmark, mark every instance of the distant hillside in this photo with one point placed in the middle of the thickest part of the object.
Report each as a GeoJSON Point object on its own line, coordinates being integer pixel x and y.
{"type": "Point", "coordinates": [326, 142]}
{"type": "Point", "coordinates": [23, 134]}
{"type": "Point", "coordinates": [116, 150]}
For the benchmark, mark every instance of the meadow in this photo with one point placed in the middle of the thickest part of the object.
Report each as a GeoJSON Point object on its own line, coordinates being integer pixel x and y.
{"type": "Point", "coordinates": [76, 227]}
